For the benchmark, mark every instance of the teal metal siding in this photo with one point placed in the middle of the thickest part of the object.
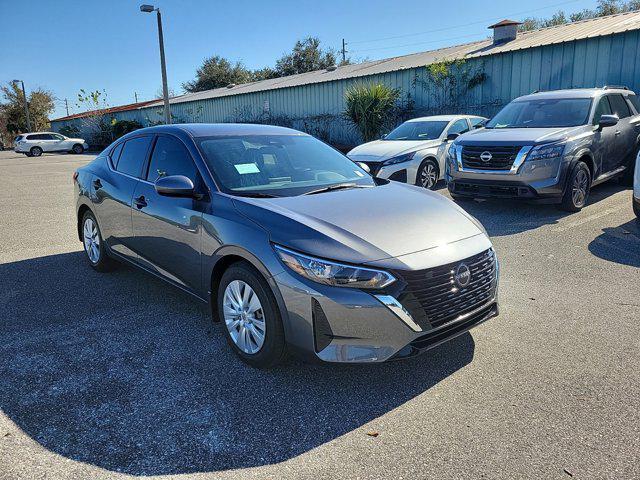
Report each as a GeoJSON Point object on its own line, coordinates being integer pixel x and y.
{"type": "Point", "coordinates": [613, 59]}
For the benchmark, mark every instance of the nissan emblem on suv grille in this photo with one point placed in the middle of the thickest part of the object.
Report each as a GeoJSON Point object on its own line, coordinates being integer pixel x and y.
{"type": "Point", "coordinates": [462, 276]}
{"type": "Point", "coordinates": [486, 156]}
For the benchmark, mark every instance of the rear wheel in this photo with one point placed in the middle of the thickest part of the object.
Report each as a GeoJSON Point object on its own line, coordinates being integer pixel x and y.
{"type": "Point", "coordinates": [35, 151]}
{"type": "Point", "coordinates": [428, 174]}
{"type": "Point", "coordinates": [94, 244]}
{"type": "Point", "coordinates": [577, 189]}
{"type": "Point", "coordinates": [77, 149]}
{"type": "Point", "coordinates": [253, 325]}
{"type": "Point", "coordinates": [636, 207]}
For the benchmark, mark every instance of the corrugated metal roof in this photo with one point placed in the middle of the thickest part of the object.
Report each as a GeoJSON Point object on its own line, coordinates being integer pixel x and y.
{"type": "Point", "coordinates": [120, 108]}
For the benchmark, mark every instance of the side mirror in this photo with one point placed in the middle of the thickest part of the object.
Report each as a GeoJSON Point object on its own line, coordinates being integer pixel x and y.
{"type": "Point", "coordinates": [452, 136]}
{"type": "Point", "coordinates": [175, 186]}
{"type": "Point", "coordinates": [608, 121]}
{"type": "Point", "coordinates": [364, 166]}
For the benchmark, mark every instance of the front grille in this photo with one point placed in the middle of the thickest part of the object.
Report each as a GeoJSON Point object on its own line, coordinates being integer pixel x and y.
{"type": "Point", "coordinates": [502, 158]}
{"type": "Point", "coordinates": [374, 167]}
{"type": "Point", "coordinates": [433, 298]}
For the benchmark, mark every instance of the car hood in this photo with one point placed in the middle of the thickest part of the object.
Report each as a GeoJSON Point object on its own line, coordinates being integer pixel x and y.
{"type": "Point", "coordinates": [380, 150]}
{"type": "Point", "coordinates": [516, 136]}
{"type": "Point", "coordinates": [361, 225]}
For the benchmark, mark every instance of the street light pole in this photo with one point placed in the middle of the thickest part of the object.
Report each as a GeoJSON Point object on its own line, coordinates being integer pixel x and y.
{"type": "Point", "coordinates": [26, 105]}
{"type": "Point", "coordinates": [165, 88]}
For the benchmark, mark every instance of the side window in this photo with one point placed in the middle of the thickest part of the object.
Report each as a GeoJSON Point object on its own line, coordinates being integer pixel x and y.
{"type": "Point", "coordinates": [476, 122]}
{"type": "Point", "coordinates": [603, 108]}
{"type": "Point", "coordinates": [619, 106]}
{"type": "Point", "coordinates": [47, 136]}
{"type": "Point", "coordinates": [635, 101]}
{"type": "Point", "coordinates": [170, 157]}
{"type": "Point", "coordinates": [115, 154]}
{"type": "Point", "coordinates": [459, 127]}
{"type": "Point", "coordinates": [57, 137]}
{"type": "Point", "coordinates": [133, 156]}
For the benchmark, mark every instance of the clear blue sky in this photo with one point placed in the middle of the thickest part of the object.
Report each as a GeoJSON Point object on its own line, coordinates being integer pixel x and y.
{"type": "Point", "coordinates": [66, 45]}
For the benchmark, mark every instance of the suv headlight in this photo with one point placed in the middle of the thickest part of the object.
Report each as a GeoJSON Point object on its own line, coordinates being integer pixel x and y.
{"type": "Point", "coordinates": [545, 152]}
{"type": "Point", "coordinates": [400, 158]}
{"type": "Point", "coordinates": [335, 274]}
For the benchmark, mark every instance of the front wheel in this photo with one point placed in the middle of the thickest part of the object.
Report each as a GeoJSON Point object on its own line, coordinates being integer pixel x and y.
{"type": "Point", "coordinates": [253, 326]}
{"type": "Point", "coordinates": [636, 207]}
{"type": "Point", "coordinates": [577, 189]}
{"type": "Point", "coordinates": [77, 149]}
{"type": "Point", "coordinates": [428, 174]}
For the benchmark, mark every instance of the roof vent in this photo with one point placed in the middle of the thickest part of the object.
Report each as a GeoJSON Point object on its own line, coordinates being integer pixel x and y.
{"type": "Point", "coordinates": [231, 85]}
{"type": "Point", "coordinates": [331, 68]}
{"type": "Point", "coordinates": [504, 31]}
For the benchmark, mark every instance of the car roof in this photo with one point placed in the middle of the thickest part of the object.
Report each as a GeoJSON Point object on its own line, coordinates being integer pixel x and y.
{"type": "Point", "coordinates": [574, 93]}
{"type": "Point", "coordinates": [221, 129]}
{"type": "Point", "coordinates": [442, 118]}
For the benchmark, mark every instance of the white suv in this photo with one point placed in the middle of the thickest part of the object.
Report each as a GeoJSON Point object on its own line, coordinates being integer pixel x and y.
{"type": "Point", "coordinates": [35, 144]}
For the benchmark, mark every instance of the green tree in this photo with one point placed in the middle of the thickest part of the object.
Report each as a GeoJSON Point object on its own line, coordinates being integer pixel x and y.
{"type": "Point", "coordinates": [217, 72]}
{"type": "Point", "coordinates": [307, 55]}
{"type": "Point", "coordinates": [370, 108]}
{"type": "Point", "coordinates": [604, 8]}
{"type": "Point", "coordinates": [40, 102]}
{"type": "Point", "coordinates": [95, 120]}
{"type": "Point", "coordinates": [265, 74]}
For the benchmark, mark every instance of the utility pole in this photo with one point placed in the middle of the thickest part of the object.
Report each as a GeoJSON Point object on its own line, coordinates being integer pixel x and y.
{"type": "Point", "coordinates": [165, 88]}
{"type": "Point", "coordinates": [66, 105]}
{"type": "Point", "coordinates": [26, 105]}
{"type": "Point", "coordinates": [135, 95]}
{"type": "Point", "coordinates": [344, 52]}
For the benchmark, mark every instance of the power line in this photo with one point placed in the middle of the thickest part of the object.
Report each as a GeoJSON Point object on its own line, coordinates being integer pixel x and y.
{"type": "Point", "coordinates": [465, 24]}
{"type": "Point", "coordinates": [416, 43]}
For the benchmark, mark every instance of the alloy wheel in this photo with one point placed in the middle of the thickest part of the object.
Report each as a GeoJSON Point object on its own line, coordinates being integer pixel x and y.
{"type": "Point", "coordinates": [580, 187]}
{"type": "Point", "coordinates": [91, 240]}
{"type": "Point", "coordinates": [244, 316]}
{"type": "Point", "coordinates": [428, 176]}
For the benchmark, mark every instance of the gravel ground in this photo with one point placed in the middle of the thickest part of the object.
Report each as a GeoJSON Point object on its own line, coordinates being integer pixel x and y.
{"type": "Point", "coordinates": [109, 375]}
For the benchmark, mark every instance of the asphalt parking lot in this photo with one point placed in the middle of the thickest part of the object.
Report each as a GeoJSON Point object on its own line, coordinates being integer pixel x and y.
{"type": "Point", "coordinates": [103, 375]}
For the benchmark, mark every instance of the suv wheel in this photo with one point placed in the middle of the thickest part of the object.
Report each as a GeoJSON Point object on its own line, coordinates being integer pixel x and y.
{"type": "Point", "coordinates": [35, 151]}
{"type": "Point", "coordinates": [577, 189]}
{"type": "Point", "coordinates": [253, 326]}
{"type": "Point", "coordinates": [77, 149]}
{"type": "Point", "coordinates": [636, 207]}
{"type": "Point", "coordinates": [428, 175]}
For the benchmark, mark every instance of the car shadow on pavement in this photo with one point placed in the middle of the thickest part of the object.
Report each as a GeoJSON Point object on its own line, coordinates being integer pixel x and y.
{"type": "Point", "coordinates": [504, 217]}
{"type": "Point", "coordinates": [619, 244]}
{"type": "Point", "coordinates": [127, 373]}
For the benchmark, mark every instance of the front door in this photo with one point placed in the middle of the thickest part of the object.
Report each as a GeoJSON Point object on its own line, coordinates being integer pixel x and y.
{"type": "Point", "coordinates": [168, 230]}
{"type": "Point", "coordinates": [604, 140]}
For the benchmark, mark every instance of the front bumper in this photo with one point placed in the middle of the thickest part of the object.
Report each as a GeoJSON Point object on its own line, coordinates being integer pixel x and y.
{"type": "Point", "coordinates": [405, 172]}
{"type": "Point", "coordinates": [337, 324]}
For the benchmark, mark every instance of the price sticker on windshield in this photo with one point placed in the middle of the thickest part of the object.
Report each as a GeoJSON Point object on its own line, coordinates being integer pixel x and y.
{"type": "Point", "coordinates": [245, 168]}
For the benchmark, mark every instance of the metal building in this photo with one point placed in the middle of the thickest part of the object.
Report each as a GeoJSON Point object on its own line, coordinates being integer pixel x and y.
{"type": "Point", "coordinates": [588, 53]}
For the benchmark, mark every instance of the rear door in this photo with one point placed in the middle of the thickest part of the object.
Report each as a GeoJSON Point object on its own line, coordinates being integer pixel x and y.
{"type": "Point", "coordinates": [624, 131]}
{"type": "Point", "coordinates": [114, 193]}
{"type": "Point", "coordinates": [168, 230]}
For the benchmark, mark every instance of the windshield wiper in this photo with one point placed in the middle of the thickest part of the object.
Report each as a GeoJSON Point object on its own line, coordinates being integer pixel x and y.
{"type": "Point", "coordinates": [339, 186]}
{"type": "Point", "coordinates": [255, 195]}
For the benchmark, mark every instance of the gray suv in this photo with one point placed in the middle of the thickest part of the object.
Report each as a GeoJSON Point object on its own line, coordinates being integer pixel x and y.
{"type": "Point", "coordinates": [549, 147]}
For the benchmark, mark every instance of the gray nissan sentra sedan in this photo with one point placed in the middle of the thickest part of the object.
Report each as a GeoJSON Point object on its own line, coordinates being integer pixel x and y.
{"type": "Point", "coordinates": [296, 248]}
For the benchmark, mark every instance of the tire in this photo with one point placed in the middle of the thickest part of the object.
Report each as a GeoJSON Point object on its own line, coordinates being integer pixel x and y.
{"type": "Point", "coordinates": [577, 188]}
{"type": "Point", "coordinates": [94, 246]}
{"type": "Point", "coordinates": [77, 149]}
{"type": "Point", "coordinates": [265, 320]}
{"type": "Point", "coordinates": [636, 207]}
{"type": "Point", "coordinates": [627, 177]}
{"type": "Point", "coordinates": [27, 154]}
{"type": "Point", "coordinates": [35, 151]}
{"type": "Point", "coordinates": [428, 174]}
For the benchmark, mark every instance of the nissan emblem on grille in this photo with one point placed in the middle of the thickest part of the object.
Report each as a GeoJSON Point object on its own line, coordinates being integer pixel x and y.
{"type": "Point", "coordinates": [486, 156]}
{"type": "Point", "coordinates": [462, 276]}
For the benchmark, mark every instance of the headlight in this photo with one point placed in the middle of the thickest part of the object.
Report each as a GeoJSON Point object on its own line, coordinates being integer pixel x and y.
{"type": "Point", "coordinates": [399, 159]}
{"type": "Point", "coordinates": [331, 273]}
{"type": "Point", "coordinates": [544, 152]}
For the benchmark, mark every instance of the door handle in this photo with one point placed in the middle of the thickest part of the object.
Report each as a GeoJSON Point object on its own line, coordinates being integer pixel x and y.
{"type": "Point", "coordinates": [140, 202]}
{"type": "Point", "coordinates": [617, 132]}
{"type": "Point", "coordinates": [97, 184]}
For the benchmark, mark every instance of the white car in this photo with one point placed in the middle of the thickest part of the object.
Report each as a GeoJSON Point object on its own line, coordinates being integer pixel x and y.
{"type": "Point", "coordinates": [35, 144]}
{"type": "Point", "coordinates": [415, 151]}
{"type": "Point", "coordinates": [636, 188]}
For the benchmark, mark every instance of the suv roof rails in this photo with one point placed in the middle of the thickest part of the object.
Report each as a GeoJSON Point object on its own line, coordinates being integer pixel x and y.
{"type": "Point", "coordinates": [616, 87]}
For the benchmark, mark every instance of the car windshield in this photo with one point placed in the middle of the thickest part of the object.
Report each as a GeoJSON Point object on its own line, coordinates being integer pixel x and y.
{"type": "Point", "coordinates": [417, 131]}
{"type": "Point", "coordinates": [543, 113]}
{"type": "Point", "coordinates": [278, 165]}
